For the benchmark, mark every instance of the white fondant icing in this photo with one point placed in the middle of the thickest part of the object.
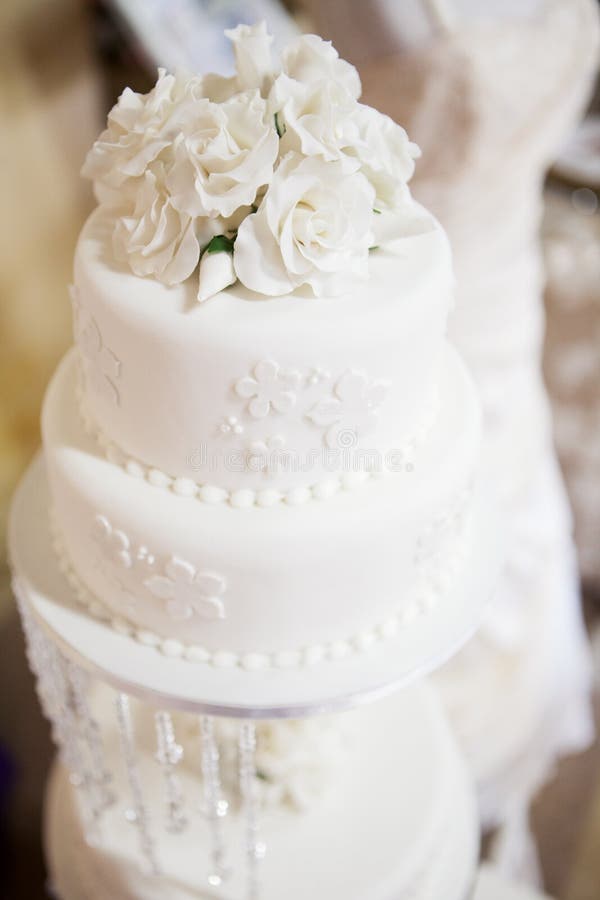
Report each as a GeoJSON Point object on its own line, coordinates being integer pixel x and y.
{"type": "Point", "coordinates": [351, 411]}
{"type": "Point", "coordinates": [269, 389]}
{"type": "Point", "coordinates": [187, 591]}
{"type": "Point", "coordinates": [102, 368]}
{"type": "Point", "coordinates": [398, 460]}
{"type": "Point", "coordinates": [338, 649]}
{"type": "Point", "coordinates": [187, 363]}
{"type": "Point", "coordinates": [320, 575]}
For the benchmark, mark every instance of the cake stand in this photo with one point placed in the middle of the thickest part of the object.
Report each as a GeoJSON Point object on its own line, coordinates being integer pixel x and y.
{"type": "Point", "coordinates": [69, 650]}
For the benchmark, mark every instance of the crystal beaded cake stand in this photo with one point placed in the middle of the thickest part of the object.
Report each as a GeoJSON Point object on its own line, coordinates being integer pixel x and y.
{"type": "Point", "coordinates": [69, 650]}
{"type": "Point", "coordinates": [197, 687]}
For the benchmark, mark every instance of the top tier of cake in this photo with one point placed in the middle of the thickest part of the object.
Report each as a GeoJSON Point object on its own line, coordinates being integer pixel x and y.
{"type": "Point", "coordinates": [246, 392]}
{"type": "Point", "coordinates": [259, 304]}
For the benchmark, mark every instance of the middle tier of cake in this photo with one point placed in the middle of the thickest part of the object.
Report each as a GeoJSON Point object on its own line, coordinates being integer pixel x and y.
{"type": "Point", "coordinates": [279, 585]}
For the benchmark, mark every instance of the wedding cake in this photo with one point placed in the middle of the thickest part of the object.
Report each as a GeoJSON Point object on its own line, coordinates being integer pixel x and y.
{"type": "Point", "coordinates": [261, 456]}
{"type": "Point", "coordinates": [282, 471]}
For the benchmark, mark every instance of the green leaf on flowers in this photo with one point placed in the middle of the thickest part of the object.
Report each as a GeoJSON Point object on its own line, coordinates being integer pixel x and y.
{"type": "Point", "coordinates": [220, 244]}
{"type": "Point", "coordinates": [279, 127]}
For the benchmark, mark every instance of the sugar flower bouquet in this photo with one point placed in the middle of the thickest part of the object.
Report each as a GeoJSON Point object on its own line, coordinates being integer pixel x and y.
{"type": "Point", "coordinates": [276, 177]}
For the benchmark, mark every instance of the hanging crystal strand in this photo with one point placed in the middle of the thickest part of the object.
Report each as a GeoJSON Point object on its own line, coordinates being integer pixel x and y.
{"type": "Point", "coordinates": [215, 805]}
{"type": "Point", "coordinates": [90, 731]}
{"type": "Point", "coordinates": [138, 813]}
{"type": "Point", "coordinates": [168, 754]}
{"type": "Point", "coordinates": [255, 848]}
{"type": "Point", "coordinates": [57, 702]}
{"type": "Point", "coordinates": [73, 751]}
{"type": "Point", "coordinates": [39, 652]}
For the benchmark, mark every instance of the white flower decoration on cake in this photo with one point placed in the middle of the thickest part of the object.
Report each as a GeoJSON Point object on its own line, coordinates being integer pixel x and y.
{"type": "Point", "coordinates": [215, 274]}
{"type": "Point", "coordinates": [224, 153]}
{"type": "Point", "coordinates": [265, 456]}
{"type": "Point", "coordinates": [155, 238]}
{"type": "Point", "coordinates": [313, 227]}
{"type": "Point", "coordinates": [253, 64]}
{"type": "Point", "coordinates": [279, 163]}
{"type": "Point", "coordinates": [351, 411]}
{"type": "Point", "coordinates": [187, 591]}
{"type": "Point", "coordinates": [270, 388]}
{"type": "Point", "coordinates": [315, 119]}
{"type": "Point", "coordinates": [115, 543]}
{"type": "Point", "coordinates": [314, 61]}
{"type": "Point", "coordinates": [139, 130]}
{"type": "Point", "coordinates": [385, 154]}
{"type": "Point", "coordinates": [102, 367]}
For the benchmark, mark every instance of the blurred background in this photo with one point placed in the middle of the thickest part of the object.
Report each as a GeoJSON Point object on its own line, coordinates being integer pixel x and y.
{"type": "Point", "coordinates": [63, 64]}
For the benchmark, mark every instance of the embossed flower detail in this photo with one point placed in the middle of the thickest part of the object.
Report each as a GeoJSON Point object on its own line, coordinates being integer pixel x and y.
{"type": "Point", "coordinates": [102, 367]}
{"type": "Point", "coordinates": [353, 408]}
{"type": "Point", "coordinates": [115, 542]}
{"type": "Point", "coordinates": [270, 388]}
{"type": "Point", "coordinates": [187, 591]}
{"type": "Point", "coordinates": [264, 456]}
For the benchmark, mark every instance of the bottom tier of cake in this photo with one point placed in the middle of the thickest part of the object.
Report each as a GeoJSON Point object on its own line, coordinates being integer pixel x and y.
{"type": "Point", "coordinates": [396, 822]}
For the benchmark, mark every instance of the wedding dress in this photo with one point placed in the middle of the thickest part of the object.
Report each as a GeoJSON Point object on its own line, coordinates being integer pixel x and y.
{"type": "Point", "coordinates": [489, 101]}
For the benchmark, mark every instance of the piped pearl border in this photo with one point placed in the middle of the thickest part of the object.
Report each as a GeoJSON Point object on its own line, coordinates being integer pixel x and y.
{"type": "Point", "coordinates": [422, 604]}
{"type": "Point", "coordinates": [246, 498]}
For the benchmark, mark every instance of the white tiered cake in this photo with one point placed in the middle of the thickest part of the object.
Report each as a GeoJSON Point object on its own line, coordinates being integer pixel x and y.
{"type": "Point", "coordinates": [261, 456]}
{"type": "Point", "coordinates": [175, 461]}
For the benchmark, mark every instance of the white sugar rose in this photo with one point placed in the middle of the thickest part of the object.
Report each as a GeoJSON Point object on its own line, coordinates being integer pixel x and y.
{"type": "Point", "coordinates": [322, 119]}
{"type": "Point", "coordinates": [252, 49]}
{"type": "Point", "coordinates": [313, 227]}
{"type": "Point", "coordinates": [154, 238]}
{"type": "Point", "coordinates": [310, 59]}
{"type": "Point", "coordinates": [385, 153]}
{"type": "Point", "coordinates": [222, 156]}
{"type": "Point", "coordinates": [315, 119]}
{"type": "Point", "coordinates": [253, 63]}
{"type": "Point", "coordinates": [216, 270]}
{"type": "Point", "coordinates": [139, 129]}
